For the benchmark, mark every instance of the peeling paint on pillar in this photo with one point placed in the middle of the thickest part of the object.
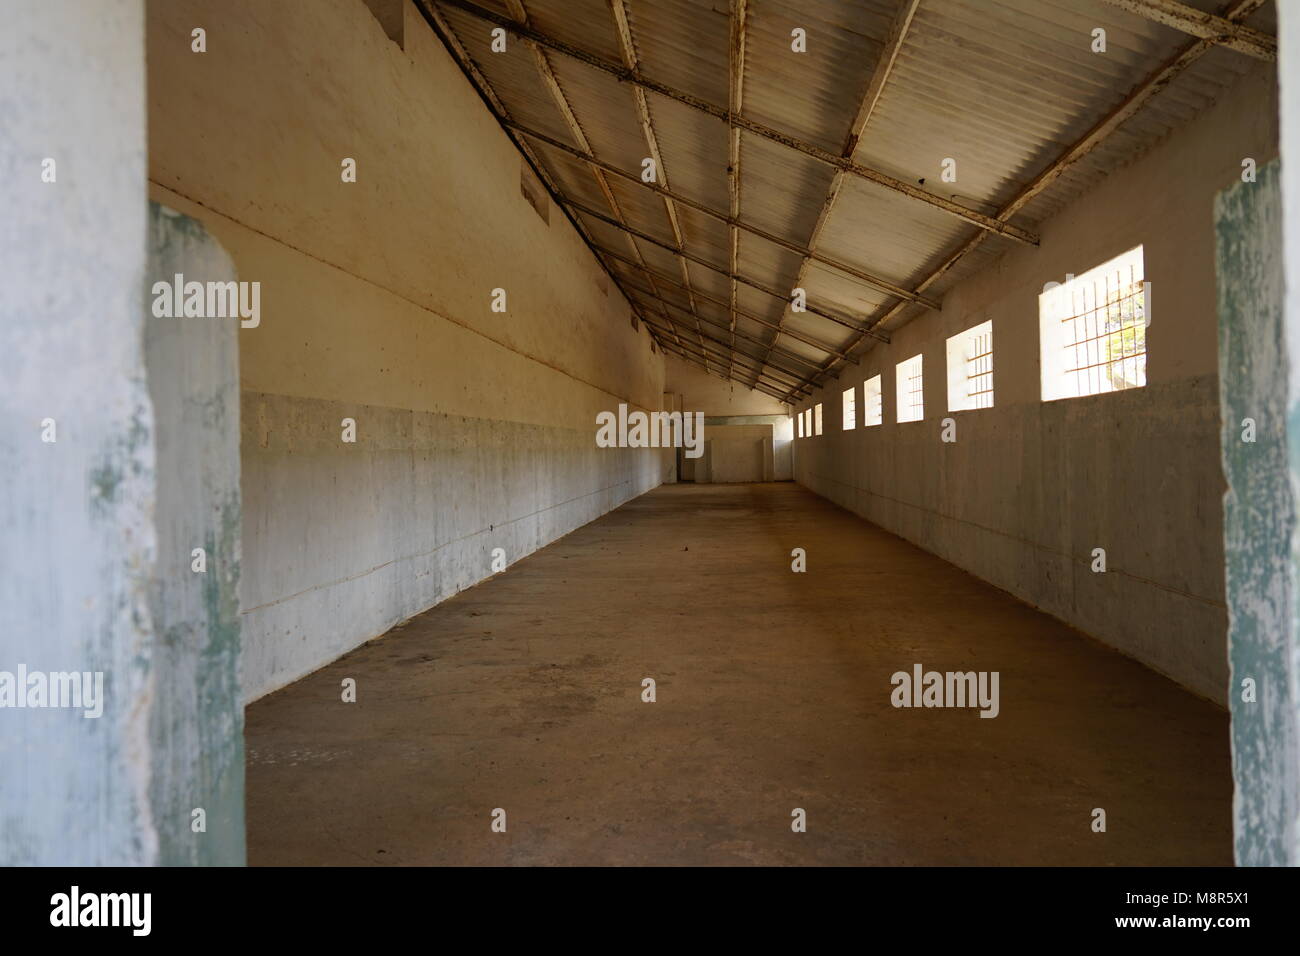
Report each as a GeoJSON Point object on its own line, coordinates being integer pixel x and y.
{"type": "Point", "coordinates": [1259, 516]}
{"type": "Point", "coordinates": [197, 723]}
{"type": "Point", "coordinates": [77, 545]}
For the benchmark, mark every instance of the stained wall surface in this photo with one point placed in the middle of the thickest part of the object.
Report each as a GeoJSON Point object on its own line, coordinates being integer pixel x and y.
{"type": "Point", "coordinates": [474, 429]}
{"type": "Point", "coordinates": [1030, 488]}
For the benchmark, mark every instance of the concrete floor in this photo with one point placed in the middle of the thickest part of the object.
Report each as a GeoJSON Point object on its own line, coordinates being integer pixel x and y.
{"type": "Point", "coordinates": [773, 693]}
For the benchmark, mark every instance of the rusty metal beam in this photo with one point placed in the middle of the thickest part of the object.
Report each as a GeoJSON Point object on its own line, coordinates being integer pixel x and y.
{"type": "Point", "coordinates": [1221, 31]}
{"type": "Point", "coordinates": [776, 389]}
{"type": "Point", "coordinates": [705, 297]}
{"type": "Point", "coordinates": [785, 353]}
{"type": "Point", "coordinates": [778, 377]}
{"type": "Point", "coordinates": [1160, 78]}
{"type": "Point", "coordinates": [596, 214]}
{"type": "Point", "coordinates": [884, 285]}
{"type": "Point", "coordinates": [875, 86]}
{"type": "Point", "coordinates": [735, 100]}
{"type": "Point", "coordinates": [781, 387]}
{"type": "Point", "coordinates": [776, 373]}
{"type": "Point", "coordinates": [552, 84]}
{"type": "Point", "coordinates": [442, 30]}
{"type": "Point", "coordinates": [1134, 101]}
{"type": "Point", "coordinates": [627, 49]}
{"type": "Point", "coordinates": [880, 75]}
{"type": "Point", "coordinates": [637, 78]}
{"type": "Point", "coordinates": [773, 393]}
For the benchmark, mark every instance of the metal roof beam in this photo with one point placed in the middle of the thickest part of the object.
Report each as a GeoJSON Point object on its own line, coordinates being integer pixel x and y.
{"type": "Point", "coordinates": [748, 338]}
{"type": "Point", "coordinates": [786, 353]}
{"type": "Point", "coordinates": [552, 84]}
{"type": "Point", "coordinates": [637, 78]}
{"type": "Point", "coordinates": [783, 353]}
{"type": "Point", "coordinates": [777, 390]}
{"type": "Point", "coordinates": [773, 393]}
{"type": "Point", "coordinates": [1134, 101]}
{"type": "Point", "coordinates": [1160, 78]}
{"type": "Point", "coordinates": [735, 98]}
{"type": "Point", "coordinates": [875, 86]}
{"type": "Point", "coordinates": [627, 49]}
{"type": "Point", "coordinates": [705, 297]}
{"type": "Point", "coordinates": [1218, 30]}
{"type": "Point", "coordinates": [880, 75]}
{"type": "Point", "coordinates": [442, 30]}
{"type": "Point", "coordinates": [775, 381]}
{"type": "Point", "coordinates": [884, 285]}
{"type": "Point", "coordinates": [778, 375]}
{"type": "Point", "coordinates": [595, 214]}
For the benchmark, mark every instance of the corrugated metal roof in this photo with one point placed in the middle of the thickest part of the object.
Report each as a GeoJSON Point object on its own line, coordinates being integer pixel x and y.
{"type": "Point", "coordinates": [812, 95]}
{"type": "Point", "coordinates": [1003, 87]}
{"type": "Point", "coordinates": [681, 43]}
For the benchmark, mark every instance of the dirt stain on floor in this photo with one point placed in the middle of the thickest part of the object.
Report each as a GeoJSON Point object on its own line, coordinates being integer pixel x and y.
{"type": "Point", "coordinates": [773, 693]}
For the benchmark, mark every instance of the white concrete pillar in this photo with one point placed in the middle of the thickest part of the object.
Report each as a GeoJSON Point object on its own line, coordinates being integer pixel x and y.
{"type": "Point", "coordinates": [76, 532]}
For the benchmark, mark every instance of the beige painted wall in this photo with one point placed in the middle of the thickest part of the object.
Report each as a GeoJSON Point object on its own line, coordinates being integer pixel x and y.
{"type": "Point", "coordinates": [1030, 488]}
{"type": "Point", "coordinates": [737, 452]}
{"type": "Point", "coordinates": [707, 393]}
{"type": "Point", "coordinates": [730, 459]}
{"type": "Point", "coordinates": [475, 429]}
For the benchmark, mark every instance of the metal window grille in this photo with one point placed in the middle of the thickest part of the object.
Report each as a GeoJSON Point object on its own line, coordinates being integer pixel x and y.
{"type": "Point", "coordinates": [1105, 332]}
{"type": "Point", "coordinates": [915, 393]}
{"type": "Point", "coordinates": [979, 371]}
{"type": "Point", "coordinates": [875, 402]}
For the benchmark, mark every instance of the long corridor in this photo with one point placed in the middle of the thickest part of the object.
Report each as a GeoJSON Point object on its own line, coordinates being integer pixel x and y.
{"type": "Point", "coordinates": [773, 693]}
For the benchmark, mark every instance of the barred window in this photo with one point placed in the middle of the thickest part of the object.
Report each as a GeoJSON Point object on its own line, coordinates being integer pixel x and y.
{"type": "Point", "coordinates": [1093, 330]}
{"type": "Point", "coordinates": [970, 368]}
{"type": "Point", "coordinates": [909, 389]}
{"type": "Point", "coordinates": [873, 401]}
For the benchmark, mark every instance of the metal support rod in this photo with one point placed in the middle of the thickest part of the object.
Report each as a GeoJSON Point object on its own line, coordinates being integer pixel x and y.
{"type": "Point", "coordinates": [639, 79]}
{"type": "Point", "coordinates": [704, 296]}
{"type": "Point", "coordinates": [884, 285]}
{"type": "Point", "coordinates": [609, 221]}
